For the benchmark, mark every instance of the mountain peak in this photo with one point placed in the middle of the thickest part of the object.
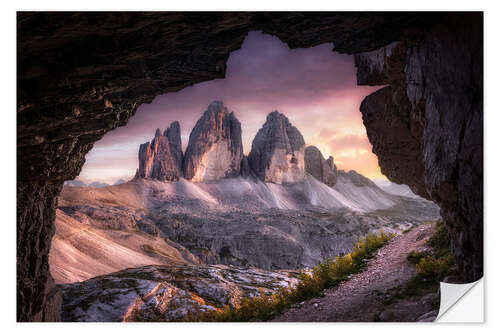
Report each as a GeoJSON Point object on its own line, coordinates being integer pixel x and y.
{"type": "Point", "coordinates": [216, 106]}
{"type": "Point", "coordinates": [162, 157]}
{"type": "Point", "coordinates": [277, 153]}
{"type": "Point", "coordinates": [215, 148]}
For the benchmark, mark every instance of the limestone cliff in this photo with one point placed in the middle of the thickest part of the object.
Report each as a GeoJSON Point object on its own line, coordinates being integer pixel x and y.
{"type": "Point", "coordinates": [277, 153]}
{"type": "Point", "coordinates": [215, 149]}
{"type": "Point", "coordinates": [162, 157]}
{"type": "Point", "coordinates": [321, 169]}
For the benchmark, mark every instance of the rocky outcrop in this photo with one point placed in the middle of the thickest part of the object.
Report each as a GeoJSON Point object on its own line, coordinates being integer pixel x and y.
{"type": "Point", "coordinates": [321, 169]}
{"type": "Point", "coordinates": [400, 155]}
{"type": "Point", "coordinates": [215, 149]}
{"type": "Point", "coordinates": [162, 158]}
{"type": "Point", "coordinates": [277, 153]}
{"type": "Point", "coordinates": [426, 125]}
{"type": "Point", "coordinates": [81, 75]}
{"type": "Point", "coordinates": [166, 293]}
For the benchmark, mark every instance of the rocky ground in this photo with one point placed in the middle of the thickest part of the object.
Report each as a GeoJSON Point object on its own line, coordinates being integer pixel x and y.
{"type": "Point", "coordinates": [233, 222]}
{"type": "Point", "coordinates": [275, 238]}
{"type": "Point", "coordinates": [165, 293]}
{"type": "Point", "coordinates": [152, 250]}
{"type": "Point", "coordinates": [170, 292]}
{"type": "Point", "coordinates": [367, 296]}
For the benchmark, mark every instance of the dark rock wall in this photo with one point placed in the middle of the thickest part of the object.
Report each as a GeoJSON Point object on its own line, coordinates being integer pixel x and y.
{"type": "Point", "coordinates": [426, 127]}
{"type": "Point", "coordinates": [173, 133]}
{"type": "Point", "coordinates": [80, 75]}
{"type": "Point", "coordinates": [37, 297]}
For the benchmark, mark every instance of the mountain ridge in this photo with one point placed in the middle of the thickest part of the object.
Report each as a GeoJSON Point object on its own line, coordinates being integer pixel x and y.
{"type": "Point", "coordinates": [215, 151]}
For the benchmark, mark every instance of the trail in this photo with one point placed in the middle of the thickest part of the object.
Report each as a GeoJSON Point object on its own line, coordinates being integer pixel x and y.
{"type": "Point", "coordinates": [362, 297]}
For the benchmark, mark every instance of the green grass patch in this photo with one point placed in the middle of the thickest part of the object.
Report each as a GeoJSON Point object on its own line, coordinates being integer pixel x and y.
{"type": "Point", "coordinates": [414, 257]}
{"type": "Point", "coordinates": [432, 265]}
{"type": "Point", "coordinates": [327, 274]}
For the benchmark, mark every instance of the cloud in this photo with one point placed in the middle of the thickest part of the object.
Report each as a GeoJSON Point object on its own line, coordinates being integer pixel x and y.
{"type": "Point", "coordinates": [349, 142]}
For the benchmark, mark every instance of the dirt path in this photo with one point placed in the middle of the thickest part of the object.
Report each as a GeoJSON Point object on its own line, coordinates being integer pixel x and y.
{"type": "Point", "coordinates": [362, 296]}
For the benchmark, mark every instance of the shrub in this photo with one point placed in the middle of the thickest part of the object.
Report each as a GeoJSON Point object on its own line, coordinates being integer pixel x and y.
{"type": "Point", "coordinates": [414, 256]}
{"type": "Point", "coordinates": [436, 268]}
{"type": "Point", "coordinates": [432, 265]}
{"type": "Point", "coordinates": [327, 274]}
{"type": "Point", "coordinates": [440, 241]}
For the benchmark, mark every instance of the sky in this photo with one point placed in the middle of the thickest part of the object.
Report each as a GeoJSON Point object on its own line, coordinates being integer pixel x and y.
{"type": "Point", "coordinates": [315, 88]}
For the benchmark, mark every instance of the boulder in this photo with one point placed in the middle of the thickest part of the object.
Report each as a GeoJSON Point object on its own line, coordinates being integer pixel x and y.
{"type": "Point", "coordinates": [215, 149]}
{"type": "Point", "coordinates": [277, 153]}
{"type": "Point", "coordinates": [166, 292]}
{"type": "Point", "coordinates": [321, 169]}
{"type": "Point", "coordinates": [162, 157]}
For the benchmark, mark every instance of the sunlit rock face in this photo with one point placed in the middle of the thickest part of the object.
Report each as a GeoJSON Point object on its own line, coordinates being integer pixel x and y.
{"type": "Point", "coordinates": [323, 170]}
{"type": "Point", "coordinates": [215, 149]}
{"type": "Point", "coordinates": [162, 157]}
{"type": "Point", "coordinates": [278, 150]}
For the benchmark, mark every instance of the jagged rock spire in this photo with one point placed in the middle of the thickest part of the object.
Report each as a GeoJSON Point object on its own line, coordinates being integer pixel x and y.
{"type": "Point", "coordinates": [162, 157]}
{"type": "Point", "coordinates": [277, 153]}
{"type": "Point", "coordinates": [215, 148]}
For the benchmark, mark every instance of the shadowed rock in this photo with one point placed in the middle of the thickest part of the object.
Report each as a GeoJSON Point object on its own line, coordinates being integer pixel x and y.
{"type": "Point", "coordinates": [162, 158]}
{"type": "Point", "coordinates": [277, 153]}
{"type": "Point", "coordinates": [321, 169]}
{"type": "Point", "coordinates": [426, 126]}
{"type": "Point", "coordinates": [215, 149]}
{"type": "Point", "coordinates": [245, 167]}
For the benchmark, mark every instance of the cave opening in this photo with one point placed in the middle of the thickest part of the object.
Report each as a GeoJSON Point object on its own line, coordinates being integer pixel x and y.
{"type": "Point", "coordinates": [314, 87]}
{"type": "Point", "coordinates": [154, 192]}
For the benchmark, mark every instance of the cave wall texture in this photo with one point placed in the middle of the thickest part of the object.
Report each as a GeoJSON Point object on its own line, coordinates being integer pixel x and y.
{"type": "Point", "coordinates": [80, 75]}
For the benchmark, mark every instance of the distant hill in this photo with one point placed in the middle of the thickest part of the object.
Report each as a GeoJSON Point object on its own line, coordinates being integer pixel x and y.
{"type": "Point", "coordinates": [120, 181]}
{"type": "Point", "coordinates": [97, 184]}
{"type": "Point", "coordinates": [399, 189]}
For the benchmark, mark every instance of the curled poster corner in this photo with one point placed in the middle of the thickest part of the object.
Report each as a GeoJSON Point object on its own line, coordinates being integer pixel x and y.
{"type": "Point", "coordinates": [461, 302]}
